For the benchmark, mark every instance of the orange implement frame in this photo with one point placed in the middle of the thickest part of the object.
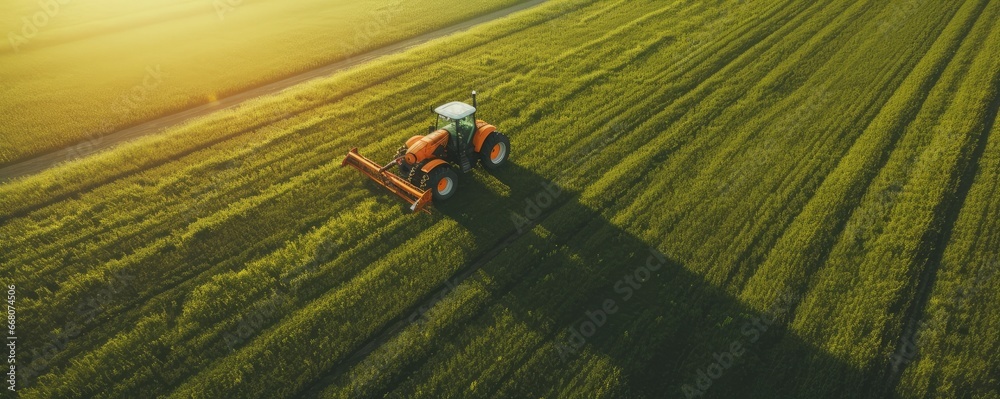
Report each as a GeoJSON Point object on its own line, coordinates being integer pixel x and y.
{"type": "Point", "coordinates": [417, 198]}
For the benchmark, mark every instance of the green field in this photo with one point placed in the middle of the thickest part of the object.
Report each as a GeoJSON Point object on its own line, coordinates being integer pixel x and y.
{"type": "Point", "coordinates": [730, 198]}
{"type": "Point", "coordinates": [93, 67]}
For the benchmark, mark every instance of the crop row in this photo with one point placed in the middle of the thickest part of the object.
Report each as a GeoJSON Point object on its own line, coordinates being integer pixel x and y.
{"type": "Point", "coordinates": [144, 255]}
{"type": "Point", "coordinates": [543, 369]}
{"type": "Point", "coordinates": [735, 138]}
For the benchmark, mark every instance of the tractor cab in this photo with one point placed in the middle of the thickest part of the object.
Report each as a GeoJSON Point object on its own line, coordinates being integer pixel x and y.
{"type": "Point", "coordinates": [459, 119]}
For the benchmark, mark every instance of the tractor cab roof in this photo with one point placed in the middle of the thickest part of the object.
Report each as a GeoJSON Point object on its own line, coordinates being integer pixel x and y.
{"type": "Point", "coordinates": [455, 110]}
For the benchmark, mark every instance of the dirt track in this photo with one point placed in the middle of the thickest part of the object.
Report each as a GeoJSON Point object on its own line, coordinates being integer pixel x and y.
{"type": "Point", "coordinates": [41, 162]}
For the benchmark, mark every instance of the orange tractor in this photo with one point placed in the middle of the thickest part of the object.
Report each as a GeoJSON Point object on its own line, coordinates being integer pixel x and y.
{"type": "Point", "coordinates": [426, 165]}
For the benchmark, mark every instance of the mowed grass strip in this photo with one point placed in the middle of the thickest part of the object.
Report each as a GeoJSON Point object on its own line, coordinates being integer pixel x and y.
{"type": "Point", "coordinates": [319, 262]}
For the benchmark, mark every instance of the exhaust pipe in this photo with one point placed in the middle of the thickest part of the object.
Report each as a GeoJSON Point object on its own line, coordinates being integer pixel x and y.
{"type": "Point", "coordinates": [474, 105]}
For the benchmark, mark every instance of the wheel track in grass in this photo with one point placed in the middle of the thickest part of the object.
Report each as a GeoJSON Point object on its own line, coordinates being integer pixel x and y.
{"type": "Point", "coordinates": [712, 141]}
{"type": "Point", "coordinates": [890, 75]}
{"type": "Point", "coordinates": [893, 137]}
{"type": "Point", "coordinates": [896, 304]}
{"type": "Point", "coordinates": [892, 141]}
{"type": "Point", "coordinates": [933, 71]}
{"type": "Point", "coordinates": [660, 96]}
{"type": "Point", "coordinates": [678, 110]}
{"type": "Point", "coordinates": [895, 74]}
{"type": "Point", "coordinates": [934, 81]}
{"type": "Point", "coordinates": [936, 242]}
{"type": "Point", "coordinates": [873, 172]}
{"type": "Point", "coordinates": [806, 42]}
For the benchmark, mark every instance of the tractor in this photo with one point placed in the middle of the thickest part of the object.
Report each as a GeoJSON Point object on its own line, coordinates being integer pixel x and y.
{"type": "Point", "coordinates": [426, 167]}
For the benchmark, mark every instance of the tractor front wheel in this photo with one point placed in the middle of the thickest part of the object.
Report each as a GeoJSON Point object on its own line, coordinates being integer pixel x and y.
{"type": "Point", "coordinates": [443, 181]}
{"type": "Point", "coordinates": [495, 151]}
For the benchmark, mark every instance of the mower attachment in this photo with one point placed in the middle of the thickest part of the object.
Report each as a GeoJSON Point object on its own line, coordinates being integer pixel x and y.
{"type": "Point", "coordinates": [417, 198]}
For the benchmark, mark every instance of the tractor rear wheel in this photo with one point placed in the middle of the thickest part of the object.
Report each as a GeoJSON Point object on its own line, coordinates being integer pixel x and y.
{"type": "Point", "coordinates": [443, 181]}
{"type": "Point", "coordinates": [495, 151]}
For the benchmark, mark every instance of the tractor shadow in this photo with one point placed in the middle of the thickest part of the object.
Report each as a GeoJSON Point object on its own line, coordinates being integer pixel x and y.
{"type": "Point", "coordinates": [676, 335]}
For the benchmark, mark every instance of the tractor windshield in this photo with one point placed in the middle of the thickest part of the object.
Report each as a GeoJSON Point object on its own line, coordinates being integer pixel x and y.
{"type": "Point", "coordinates": [465, 126]}
{"type": "Point", "coordinates": [446, 123]}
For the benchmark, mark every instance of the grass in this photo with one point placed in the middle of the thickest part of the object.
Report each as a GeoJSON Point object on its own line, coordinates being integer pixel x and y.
{"type": "Point", "coordinates": [813, 182]}
{"type": "Point", "coordinates": [96, 67]}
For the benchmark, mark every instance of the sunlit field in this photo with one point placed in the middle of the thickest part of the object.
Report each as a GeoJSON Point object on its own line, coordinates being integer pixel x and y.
{"type": "Point", "coordinates": [712, 199]}
{"type": "Point", "coordinates": [76, 70]}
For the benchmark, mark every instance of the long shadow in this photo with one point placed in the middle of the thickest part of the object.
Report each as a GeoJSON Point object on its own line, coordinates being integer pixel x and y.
{"type": "Point", "coordinates": [672, 334]}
